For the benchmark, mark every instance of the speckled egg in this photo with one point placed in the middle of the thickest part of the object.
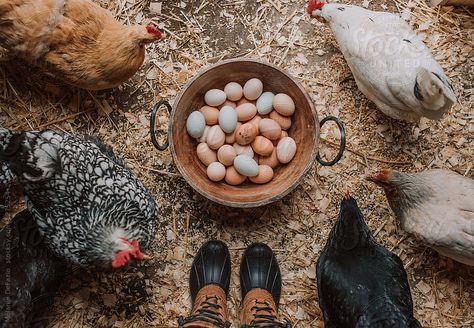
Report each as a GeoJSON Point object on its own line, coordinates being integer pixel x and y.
{"type": "Point", "coordinates": [205, 154]}
{"type": "Point", "coordinates": [265, 103]}
{"type": "Point", "coordinates": [233, 177]}
{"type": "Point", "coordinates": [215, 137]}
{"type": "Point", "coordinates": [269, 128]}
{"type": "Point", "coordinates": [246, 165]}
{"type": "Point", "coordinates": [227, 119]}
{"type": "Point", "coordinates": [253, 88]}
{"type": "Point", "coordinates": [265, 174]}
{"type": "Point", "coordinates": [215, 97]}
{"type": "Point", "coordinates": [216, 171]}
{"type": "Point", "coordinates": [210, 114]}
{"type": "Point", "coordinates": [195, 124]}
{"type": "Point", "coordinates": [246, 112]}
{"type": "Point", "coordinates": [226, 155]}
{"type": "Point", "coordinates": [283, 104]}
{"type": "Point", "coordinates": [234, 91]}
{"type": "Point", "coordinates": [245, 134]}
{"type": "Point", "coordinates": [286, 150]}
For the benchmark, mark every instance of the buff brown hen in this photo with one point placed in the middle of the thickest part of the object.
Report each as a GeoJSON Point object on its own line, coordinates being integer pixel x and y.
{"type": "Point", "coordinates": [77, 41]}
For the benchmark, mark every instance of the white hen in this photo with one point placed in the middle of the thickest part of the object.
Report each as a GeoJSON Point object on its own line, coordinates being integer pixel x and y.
{"type": "Point", "coordinates": [390, 63]}
{"type": "Point", "coordinates": [436, 206]}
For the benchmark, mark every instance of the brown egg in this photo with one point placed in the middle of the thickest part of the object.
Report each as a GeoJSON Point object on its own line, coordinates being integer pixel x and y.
{"type": "Point", "coordinates": [243, 150]}
{"type": "Point", "coordinates": [283, 104]}
{"type": "Point", "coordinates": [228, 103]}
{"type": "Point", "coordinates": [270, 129]}
{"type": "Point", "coordinates": [284, 121]}
{"type": "Point", "coordinates": [271, 160]}
{"type": "Point", "coordinates": [233, 177]}
{"type": "Point", "coordinates": [255, 121]}
{"type": "Point", "coordinates": [253, 88]}
{"type": "Point", "coordinates": [246, 112]}
{"type": "Point", "coordinates": [215, 137]}
{"type": "Point", "coordinates": [262, 146]}
{"type": "Point", "coordinates": [205, 154]}
{"type": "Point", "coordinates": [210, 114]}
{"type": "Point", "coordinates": [230, 137]}
{"type": "Point", "coordinates": [283, 134]}
{"type": "Point", "coordinates": [245, 134]}
{"type": "Point", "coordinates": [245, 101]}
{"type": "Point", "coordinates": [286, 150]}
{"type": "Point", "coordinates": [204, 135]}
{"type": "Point", "coordinates": [265, 174]}
{"type": "Point", "coordinates": [226, 155]}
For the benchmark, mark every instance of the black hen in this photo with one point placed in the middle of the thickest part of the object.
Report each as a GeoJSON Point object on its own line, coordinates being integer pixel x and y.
{"type": "Point", "coordinates": [30, 274]}
{"type": "Point", "coordinates": [88, 204]}
{"type": "Point", "coordinates": [360, 283]}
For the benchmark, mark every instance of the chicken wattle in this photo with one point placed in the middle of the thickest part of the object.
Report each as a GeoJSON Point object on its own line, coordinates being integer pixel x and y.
{"type": "Point", "coordinates": [390, 63]}
{"type": "Point", "coordinates": [87, 203]}
{"type": "Point", "coordinates": [360, 283]}
{"type": "Point", "coordinates": [75, 40]}
{"type": "Point", "coordinates": [436, 206]}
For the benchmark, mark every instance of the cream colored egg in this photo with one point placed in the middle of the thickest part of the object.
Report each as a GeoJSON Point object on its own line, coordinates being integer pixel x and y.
{"type": "Point", "coordinates": [205, 154]}
{"type": "Point", "coordinates": [233, 177]}
{"type": "Point", "coordinates": [246, 112]}
{"type": "Point", "coordinates": [230, 137]}
{"type": "Point", "coordinates": [262, 146]}
{"type": "Point", "coordinates": [234, 91]}
{"type": "Point", "coordinates": [216, 171]}
{"type": "Point", "coordinates": [283, 121]}
{"type": "Point", "coordinates": [215, 97]}
{"type": "Point", "coordinates": [204, 135]}
{"type": "Point", "coordinates": [210, 114]}
{"type": "Point", "coordinates": [269, 128]}
{"type": "Point", "coordinates": [246, 165]}
{"type": "Point", "coordinates": [283, 104]}
{"type": "Point", "coordinates": [271, 160]}
{"type": "Point", "coordinates": [245, 134]}
{"type": "Point", "coordinates": [228, 103]}
{"type": "Point", "coordinates": [286, 150]}
{"type": "Point", "coordinates": [265, 174]}
{"type": "Point", "coordinates": [243, 150]}
{"type": "Point", "coordinates": [253, 88]}
{"type": "Point", "coordinates": [215, 137]}
{"type": "Point", "coordinates": [226, 155]}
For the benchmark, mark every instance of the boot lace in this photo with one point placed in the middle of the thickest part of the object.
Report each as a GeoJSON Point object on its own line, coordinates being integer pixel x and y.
{"type": "Point", "coordinates": [208, 312]}
{"type": "Point", "coordinates": [264, 317]}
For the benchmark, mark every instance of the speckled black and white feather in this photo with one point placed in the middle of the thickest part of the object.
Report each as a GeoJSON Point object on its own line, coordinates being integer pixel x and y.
{"type": "Point", "coordinates": [6, 180]}
{"type": "Point", "coordinates": [360, 283]}
{"type": "Point", "coordinates": [83, 197]}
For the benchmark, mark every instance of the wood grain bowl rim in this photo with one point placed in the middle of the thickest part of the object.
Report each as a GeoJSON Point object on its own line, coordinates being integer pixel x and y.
{"type": "Point", "coordinates": [267, 200]}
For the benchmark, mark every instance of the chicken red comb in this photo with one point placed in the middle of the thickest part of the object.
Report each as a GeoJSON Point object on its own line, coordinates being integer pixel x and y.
{"type": "Point", "coordinates": [153, 30]}
{"type": "Point", "coordinates": [382, 175]}
{"type": "Point", "coordinates": [347, 195]}
{"type": "Point", "coordinates": [314, 5]}
{"type": "Point", "coordinates": [124, 256]}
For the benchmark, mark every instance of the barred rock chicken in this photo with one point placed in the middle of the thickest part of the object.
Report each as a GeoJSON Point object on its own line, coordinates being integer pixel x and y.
{"type": "Point", "coordinates": [360, 283]}
{"type": "Point", "coordinates": [436, 206]}
{"type": "Point", "coordinates": [75, 40]}
{"type": "Point", "coordinates": [390, 63]}
{"type": "Point", "coordinates": [87, 203]}
{"type": "Point", "coordinates": [30, 274]}
{"type": "Point", "coordinates": [6, 180]}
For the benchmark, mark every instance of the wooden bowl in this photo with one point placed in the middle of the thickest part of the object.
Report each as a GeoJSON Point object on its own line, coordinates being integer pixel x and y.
{"type": "Point", "coordinates": [304, 130]}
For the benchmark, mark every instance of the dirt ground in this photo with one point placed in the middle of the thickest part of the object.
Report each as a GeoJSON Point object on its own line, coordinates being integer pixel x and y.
{"type": "Point", "coordinates": [203, 32]}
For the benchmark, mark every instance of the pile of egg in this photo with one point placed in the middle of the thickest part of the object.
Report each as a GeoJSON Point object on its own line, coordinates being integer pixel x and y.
{"type": "Point", "coordinates": [242, 132]}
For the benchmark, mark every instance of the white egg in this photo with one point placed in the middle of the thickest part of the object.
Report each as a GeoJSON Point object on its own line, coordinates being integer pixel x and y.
{"type": "Point", "coordinates": [196, 124]}
{"type": "Point", "coordinates": [216, 171]}
{"type": "Point", "coordinates": [246, 165]}
{"type": "Point", "coordinates": [265, 103]}
{"type": "Point", "coordinates": [253, 88]}
{"type": "Point", "coordinates": [227, 119]}
{"type": "Point", "coordinates": [234, 91]}
{"type": "Point", "coordinates": [215, 97]}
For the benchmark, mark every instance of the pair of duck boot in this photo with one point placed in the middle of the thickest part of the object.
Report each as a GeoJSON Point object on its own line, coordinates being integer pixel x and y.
{"type": "Point", "coordinates": [260, 282]}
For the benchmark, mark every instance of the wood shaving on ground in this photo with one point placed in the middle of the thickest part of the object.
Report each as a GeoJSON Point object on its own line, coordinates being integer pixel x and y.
{"type": "Point", "coordinates": [201, 32]}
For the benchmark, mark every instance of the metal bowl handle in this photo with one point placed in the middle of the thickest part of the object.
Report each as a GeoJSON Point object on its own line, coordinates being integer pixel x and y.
{"type": "Point", "coordinates": [152, 125]}
{"type": "Point", "coordinates": [342, 145]}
